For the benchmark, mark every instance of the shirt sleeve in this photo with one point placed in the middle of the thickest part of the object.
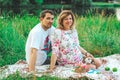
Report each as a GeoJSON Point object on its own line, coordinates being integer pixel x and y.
{"type": "Point", "coordinates": [35, 40]}
{"type": "Point", "coordinates": [56, 40]}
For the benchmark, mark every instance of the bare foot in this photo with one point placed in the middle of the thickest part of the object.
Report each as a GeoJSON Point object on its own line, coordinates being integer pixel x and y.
{"type": "Point", "coordinates": [104, 61]}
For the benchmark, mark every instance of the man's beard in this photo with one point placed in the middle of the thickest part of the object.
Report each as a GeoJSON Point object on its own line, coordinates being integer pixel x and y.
{"type": "Point", "coordinates": [47, 27]}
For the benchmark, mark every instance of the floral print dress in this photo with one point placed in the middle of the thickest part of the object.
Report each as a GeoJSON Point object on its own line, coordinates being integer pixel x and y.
{"type": "Point", "coordinates": [65, 45]}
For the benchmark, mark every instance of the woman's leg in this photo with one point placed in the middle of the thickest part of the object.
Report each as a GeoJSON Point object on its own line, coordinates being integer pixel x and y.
{"type": "Point", "coordinates": [98, 62]}
{"type": "Point", "coordinates": [90, 66]}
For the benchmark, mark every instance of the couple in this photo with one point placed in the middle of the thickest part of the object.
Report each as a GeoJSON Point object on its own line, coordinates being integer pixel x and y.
{"type": "Point", "coordinates": [64, 41]}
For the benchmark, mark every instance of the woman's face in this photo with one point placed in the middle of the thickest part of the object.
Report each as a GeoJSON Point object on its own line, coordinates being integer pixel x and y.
{"type": "Point", "coordinates": [67, 22]}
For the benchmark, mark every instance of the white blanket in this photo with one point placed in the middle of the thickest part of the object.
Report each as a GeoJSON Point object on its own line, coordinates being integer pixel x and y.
{"type": "Point", "coordinates": [68, 71]}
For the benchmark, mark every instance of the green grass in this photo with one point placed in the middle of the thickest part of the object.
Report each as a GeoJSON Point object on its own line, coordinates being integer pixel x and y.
{"type": "Point", "coordinates": [17, 76]}
{"type": "Point", "coordinates": [98, 34]}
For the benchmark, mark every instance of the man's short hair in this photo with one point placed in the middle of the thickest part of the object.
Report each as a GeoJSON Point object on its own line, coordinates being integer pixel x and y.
{"type": "Point", "coordinates": [43, 13]}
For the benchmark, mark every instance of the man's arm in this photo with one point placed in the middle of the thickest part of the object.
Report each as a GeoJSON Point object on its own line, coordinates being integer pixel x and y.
{"type": "Point", "coordinates": [32, 61]}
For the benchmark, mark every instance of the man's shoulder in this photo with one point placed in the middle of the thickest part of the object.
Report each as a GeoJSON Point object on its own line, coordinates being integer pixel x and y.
{"type": "Point", "coordinates": [36, 29]}
{"type": "Point", "coordinates": [37, 25]}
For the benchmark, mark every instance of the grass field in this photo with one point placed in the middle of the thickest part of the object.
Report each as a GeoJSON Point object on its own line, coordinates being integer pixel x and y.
{"type": "Point", "coordinates": [99, 35]}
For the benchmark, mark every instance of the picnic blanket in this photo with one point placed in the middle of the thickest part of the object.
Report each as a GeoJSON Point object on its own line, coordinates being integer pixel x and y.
{"type": "Point", "coordinates": [113, 61]}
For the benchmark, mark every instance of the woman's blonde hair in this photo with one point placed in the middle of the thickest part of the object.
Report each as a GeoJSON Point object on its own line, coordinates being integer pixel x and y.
{"type": "Point", "coordinates": [62, 16]}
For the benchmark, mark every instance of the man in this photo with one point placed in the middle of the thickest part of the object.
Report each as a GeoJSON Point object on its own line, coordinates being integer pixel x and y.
{"type": "Point", "coordinates": [37, 43]}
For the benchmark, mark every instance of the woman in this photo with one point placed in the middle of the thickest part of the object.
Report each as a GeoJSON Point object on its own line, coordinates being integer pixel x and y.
{"type": "Point", "coordinates": [65, 43]}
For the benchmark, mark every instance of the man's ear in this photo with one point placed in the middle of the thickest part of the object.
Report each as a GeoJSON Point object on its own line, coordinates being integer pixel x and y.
{"type": "Point", "coordinates": [41, 19]}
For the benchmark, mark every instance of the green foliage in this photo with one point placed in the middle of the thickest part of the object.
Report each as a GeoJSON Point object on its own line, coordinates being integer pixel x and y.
{"type": "Point", "coordinates": [14, 32]}
{"type": "Point", "coordinates": [39, 1]}
{"type": "Point", "coordinates": [11, 44]}
{"type": "Point", "coordinates": [99, 34]}
{"type": "Point", "coordinates": [17, 76]}
{"type": "Point", "coordinates": [6, 2]}
{"type": "Point", "coordinates": [12, 7]}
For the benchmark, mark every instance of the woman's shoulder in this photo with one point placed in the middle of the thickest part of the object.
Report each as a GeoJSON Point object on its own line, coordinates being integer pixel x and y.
{"type": "Point", "coordinates": [74, 30]}
{"type": "Point", "coordinates": [56, 34]}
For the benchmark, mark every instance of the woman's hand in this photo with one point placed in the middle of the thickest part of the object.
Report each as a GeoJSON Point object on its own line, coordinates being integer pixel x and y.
{"type": "Point", "coordinates": [50, 70]}
{"type": "Point", "coordinates": [89, 55]}
{"type": "Point", "coordinates": [52, 63]}
{"type": "Point", "coordinates": [85, 52]}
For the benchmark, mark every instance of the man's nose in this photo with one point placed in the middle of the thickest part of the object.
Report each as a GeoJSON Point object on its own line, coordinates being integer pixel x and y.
{"type": "Point", "coordinates": [51, 20]}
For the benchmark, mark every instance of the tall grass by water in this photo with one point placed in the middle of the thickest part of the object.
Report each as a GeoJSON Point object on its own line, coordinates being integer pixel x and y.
{"type": "Point", "coordinates": [98, 34]}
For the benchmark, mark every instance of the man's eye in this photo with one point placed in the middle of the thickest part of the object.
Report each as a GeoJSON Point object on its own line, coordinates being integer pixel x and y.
{"type": "Point", "coordinates": [52, 18]}
{"type": "Point", "coordinates": [48, 18]}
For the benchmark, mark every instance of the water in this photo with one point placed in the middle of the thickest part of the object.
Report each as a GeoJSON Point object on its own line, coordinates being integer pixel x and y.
{"type": "Point", "coordinates": [117, 10]}
{"type": "Point", "coordinates": [118, 13]}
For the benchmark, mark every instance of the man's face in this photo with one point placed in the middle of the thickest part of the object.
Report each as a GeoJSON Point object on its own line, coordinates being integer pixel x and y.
{"type": "Point", "coordinates": [47, 21]}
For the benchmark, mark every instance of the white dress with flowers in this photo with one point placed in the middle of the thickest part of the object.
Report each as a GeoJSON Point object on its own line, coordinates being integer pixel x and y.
{"type": "Point", "coordinates": [66, 45]}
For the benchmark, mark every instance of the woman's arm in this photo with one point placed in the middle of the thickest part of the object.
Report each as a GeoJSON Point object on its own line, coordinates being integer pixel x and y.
{"type": "Point", "coordinates": [84, 52]}
{"type": "Point", "coordinates": [53, 61]}
{"type": "Point", "coordinates": [55, 40]}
